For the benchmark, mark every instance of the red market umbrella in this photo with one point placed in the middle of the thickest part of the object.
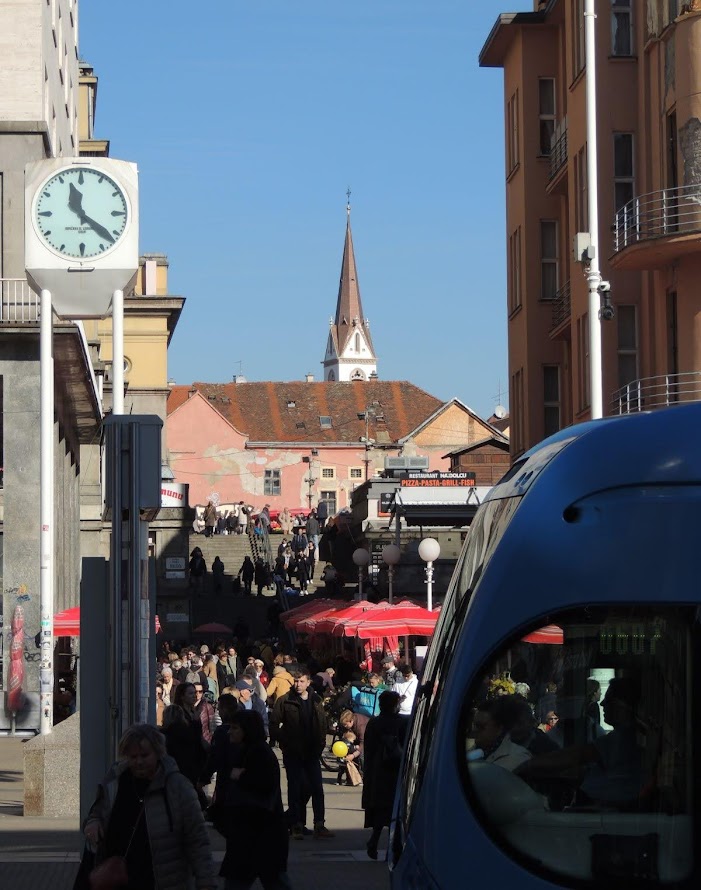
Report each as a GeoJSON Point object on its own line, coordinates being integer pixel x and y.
{"type": "Point", "coordinates": [67, 623]}
{"type": "Point", "coordinates": [401, 620]}
{"type": "Point", "coordinates": [334, 621]}
{"type": "Point", "coordinates": [550, 635]}
{"type": "Point", "coordinates": [292, 616]}
{"type": "Point", "coordinates": [213, 628]}
{"type": "Point", "coordinates": [348, 626]}
{"type": "Point", "coordinates": [15, 696]}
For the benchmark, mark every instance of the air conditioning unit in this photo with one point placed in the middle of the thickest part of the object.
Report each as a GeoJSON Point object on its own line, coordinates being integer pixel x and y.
{"type": "Point", "coordinates": [402, 464]}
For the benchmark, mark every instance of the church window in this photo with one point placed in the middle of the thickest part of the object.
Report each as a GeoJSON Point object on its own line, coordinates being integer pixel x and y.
{"type": "Point", "coordinates": [357, 342]}
{"type": "Point", "coordinates": [331, 378]}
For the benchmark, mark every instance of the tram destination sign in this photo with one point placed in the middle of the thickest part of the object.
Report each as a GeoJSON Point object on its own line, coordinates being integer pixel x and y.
{"type": "Point", "coordinates": [437, 479]}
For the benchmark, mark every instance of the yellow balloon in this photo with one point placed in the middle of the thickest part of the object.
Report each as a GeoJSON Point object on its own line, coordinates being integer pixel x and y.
{"type": "Point", "coordinates": [340, 749]}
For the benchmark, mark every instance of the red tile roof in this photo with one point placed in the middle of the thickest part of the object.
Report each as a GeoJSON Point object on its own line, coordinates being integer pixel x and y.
{"type": "Point", "coordinates": [291, 412]}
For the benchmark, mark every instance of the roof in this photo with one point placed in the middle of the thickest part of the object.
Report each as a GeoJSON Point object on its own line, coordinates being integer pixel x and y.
{"type": "Point", "coordinates": [498, 441]}
{"type": "Point", "coordinates": [292, 411]}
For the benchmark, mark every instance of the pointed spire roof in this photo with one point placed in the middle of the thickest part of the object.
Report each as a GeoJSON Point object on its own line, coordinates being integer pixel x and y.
{"type": "Point", "coordinates": [349, 309]}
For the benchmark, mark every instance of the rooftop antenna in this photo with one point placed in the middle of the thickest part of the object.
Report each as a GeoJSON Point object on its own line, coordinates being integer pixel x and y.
{"type": "Point", "coordinates": [500, 410]}
{"type": "Point", "coordinates": [240, 364]}
{"type": "Point", "coordinates": [348, 194]}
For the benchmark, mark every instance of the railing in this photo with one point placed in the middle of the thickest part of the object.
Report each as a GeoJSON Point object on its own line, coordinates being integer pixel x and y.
{"type": "Point", "coordinates": [558, 148]}
{"type": "Point", "coordinates": [18, 302]}
{"type": "Point", "coordinates": [657, 392]}
{"type": "Point", "coordinates": [562, 306]}
{"type": "Point", "coordinates": [673, 211]}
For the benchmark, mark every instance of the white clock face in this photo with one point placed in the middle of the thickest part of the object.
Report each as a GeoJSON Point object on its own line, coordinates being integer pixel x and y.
{"type": "Point", "coordinates": [80, 212]}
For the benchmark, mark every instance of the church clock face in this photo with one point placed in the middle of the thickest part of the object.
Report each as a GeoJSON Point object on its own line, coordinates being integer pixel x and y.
{"type": "Point", "coordinates": [80, 213]}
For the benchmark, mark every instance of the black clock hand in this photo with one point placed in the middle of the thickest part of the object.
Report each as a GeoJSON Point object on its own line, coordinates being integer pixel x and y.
{"type": "Point", "coordinates": [96, 227]}
{"type": "Point", "coordinates": [75, 202]}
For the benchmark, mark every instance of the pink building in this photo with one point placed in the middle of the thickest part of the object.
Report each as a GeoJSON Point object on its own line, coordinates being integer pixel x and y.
{"type": "Point", "coordinates": [295, 443]}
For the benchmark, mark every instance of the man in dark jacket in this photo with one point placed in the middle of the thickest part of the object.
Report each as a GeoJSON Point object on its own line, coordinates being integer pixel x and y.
{"type": "Point", "coordinates": [298, 723]}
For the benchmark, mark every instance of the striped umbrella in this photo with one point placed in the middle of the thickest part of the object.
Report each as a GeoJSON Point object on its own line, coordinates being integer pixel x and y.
{"type": "Point", "coordinates": [551, 635]}
{"type": "Point", "coordinates": [333, 622]}
{"type": "Point", "coordinates": [67, 622]}
{"type": "Point", "coordinates": [401, 620]}
{"type": "Point", "coordinates": [293, 615]}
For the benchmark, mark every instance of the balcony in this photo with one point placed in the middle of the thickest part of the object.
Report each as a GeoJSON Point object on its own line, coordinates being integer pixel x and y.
{"type": "Point", "coordinates": [654, 229]}
{"type": "Point", "coordinates": [18, 302]}
{"type": "Point", "coordinates": [561, 310]}
{"type": "Point", "coordinates": [657, 392]}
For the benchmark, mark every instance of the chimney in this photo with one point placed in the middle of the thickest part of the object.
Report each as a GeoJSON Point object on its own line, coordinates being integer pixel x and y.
{"type": "Point", "coordinates": [309, 378]}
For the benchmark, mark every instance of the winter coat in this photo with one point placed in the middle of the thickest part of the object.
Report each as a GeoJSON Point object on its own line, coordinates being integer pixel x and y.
{"type": "Point", "coordinates": [384, 736]}
{"type": "Point", "coordinates": [258, 706]}
{"type": "Point", "coordinates": [176, 829]}
{"type": "Point", "coordinates": [280, 685]}
{"type": "Point", "coordinates": [210, 515]}
{"type": "Point", "coordinates": [286, 725]}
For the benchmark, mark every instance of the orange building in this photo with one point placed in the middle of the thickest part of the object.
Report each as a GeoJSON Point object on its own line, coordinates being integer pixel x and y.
{"type": "Point", "coordinates": [649, 199]}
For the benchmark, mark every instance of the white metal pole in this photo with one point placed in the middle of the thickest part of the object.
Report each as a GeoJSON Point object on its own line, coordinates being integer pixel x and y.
{"type": "Point", "coordinates": [118, 352]}
{"type": "Point", "coordinates": [429, 585]}
{"type": "Point", "coordinates": [593, 274]}
{"type": "Point", "coordinates": [46, 509]}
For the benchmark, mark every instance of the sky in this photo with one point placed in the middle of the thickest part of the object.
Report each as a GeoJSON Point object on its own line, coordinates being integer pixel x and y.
{"type": "Point", "coordinates": [249, 123]}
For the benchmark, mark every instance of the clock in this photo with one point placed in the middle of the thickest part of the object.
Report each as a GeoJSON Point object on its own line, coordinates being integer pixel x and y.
{"type": "Point", "coordinates": [80, 212]}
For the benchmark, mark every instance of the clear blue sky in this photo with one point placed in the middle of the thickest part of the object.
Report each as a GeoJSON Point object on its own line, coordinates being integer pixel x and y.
{"type": "Point", "coordinates": [249, 119]}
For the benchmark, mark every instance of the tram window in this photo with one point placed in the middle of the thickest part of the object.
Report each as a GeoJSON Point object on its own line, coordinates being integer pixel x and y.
{"type": "Point", "coordinates": [577, 746]}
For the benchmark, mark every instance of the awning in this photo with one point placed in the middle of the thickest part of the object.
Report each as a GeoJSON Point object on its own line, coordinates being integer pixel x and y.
{"type": "Point", "coordinates": [67, 623]}
{"type": "Point", "coordinates": [403, 620]}
{"type": "Point", "coordinates": [439, 506]}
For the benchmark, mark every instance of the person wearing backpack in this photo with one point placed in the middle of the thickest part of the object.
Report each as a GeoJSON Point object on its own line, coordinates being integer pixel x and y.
{"type": "Point", "coordinates": [382, 756]}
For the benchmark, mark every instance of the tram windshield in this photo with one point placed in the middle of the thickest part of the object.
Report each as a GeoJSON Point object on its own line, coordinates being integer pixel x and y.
{"type": "Point", "coordinates": [577, 745]}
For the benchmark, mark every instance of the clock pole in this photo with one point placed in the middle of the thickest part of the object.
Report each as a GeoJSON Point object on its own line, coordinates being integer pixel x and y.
{"type": "Point", "coordinates": [46, 509]}
{"type": "Point", "coordinates": [118, 352]}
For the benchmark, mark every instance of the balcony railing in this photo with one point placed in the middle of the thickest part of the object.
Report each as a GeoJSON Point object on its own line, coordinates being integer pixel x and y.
{"type": "Point", "coordinates": [18, 302]}
{"type": "Point", "coordinates": [674, 211]}
{"type": "Point", "coordinates": [558, 148]}
{"type": "Point", "coordinates": [657, 392]}
{"type": "Point", "coordinates": [562, 306]}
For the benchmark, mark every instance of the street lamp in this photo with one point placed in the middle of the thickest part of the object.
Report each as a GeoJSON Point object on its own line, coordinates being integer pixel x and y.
{"type": "Point", "coordinates": [429, 551]}
{"type": "Point", "coordinates": [391, 555]}
{"type": "Point", "coordinates": [361, 558]}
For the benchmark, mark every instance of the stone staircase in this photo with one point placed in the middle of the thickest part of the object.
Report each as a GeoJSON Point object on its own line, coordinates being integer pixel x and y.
{"type": "Point", "coordinates": [231, 549]}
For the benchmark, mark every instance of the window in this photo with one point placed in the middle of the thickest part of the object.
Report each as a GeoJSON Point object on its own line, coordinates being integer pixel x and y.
{"type": "Point", "coordinates": [355, 473]}
{"type": "Point", "coordinates": [583, 389]}
{"type": "Point", "coordinates": [514, 270]}
{"type": "Point", "coordinates": [599, 737]}
{"type": "Point", "coordinates": [512, 149]}
{"type": "Point", "coordinates": [328, 473]}
{"type": "Point", "coordinates": [623, 169]}
{"type": "Point", "coordinates": [551, 399]}
{"type": "Point", "coordinates": [546, 102]}
{"type": "Point", "coordinates": [357, 342]}
{"type": "Point", "coordinates": [581, 198]}
{"type": "Point", "coordinates": [548, 259]}
{"type": "Point", "coordinates": [578, 45]}
{"type": "Point", "coordinates": [516, 399]}
{"type": "Point", "coordinates": [271, 483]}
{"type": "Point", "coordinates": [627, 325]}
{"type": "Point", "coordinates": [325, 422]}
{"type": "Point", "coordinates": [621, 28]}
{"type": "Point", "coordinates": [330, 498]}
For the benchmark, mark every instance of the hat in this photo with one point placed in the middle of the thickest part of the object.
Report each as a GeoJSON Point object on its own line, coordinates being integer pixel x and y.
{"type": "Point", "coordinates": [242, 684]}
{"type": "Point", "coordinates": [259, 661]}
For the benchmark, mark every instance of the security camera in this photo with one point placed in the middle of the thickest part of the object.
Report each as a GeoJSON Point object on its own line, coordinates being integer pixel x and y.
{"type": "Point", "coordinates": [607, 312]}
{"type": "Point", "coordinates": [604, 287]}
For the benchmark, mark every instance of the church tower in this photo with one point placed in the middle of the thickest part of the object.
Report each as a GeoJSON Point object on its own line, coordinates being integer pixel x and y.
{"type": "Point", "coordinates": [349, 351]}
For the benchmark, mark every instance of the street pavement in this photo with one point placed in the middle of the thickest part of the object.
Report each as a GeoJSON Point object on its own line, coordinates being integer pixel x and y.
{"type": "Point", "coordinates": [43, 854]}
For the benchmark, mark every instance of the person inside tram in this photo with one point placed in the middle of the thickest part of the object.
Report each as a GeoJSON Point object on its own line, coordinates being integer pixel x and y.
{"type": "Point", "coordinates": [610, 768]}
{"type": "Point", "coordinates": [491, 729]}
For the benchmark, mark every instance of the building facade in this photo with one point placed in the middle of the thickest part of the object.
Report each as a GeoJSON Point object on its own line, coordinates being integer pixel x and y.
{"type": "Point", "coordinates": [649, 182]}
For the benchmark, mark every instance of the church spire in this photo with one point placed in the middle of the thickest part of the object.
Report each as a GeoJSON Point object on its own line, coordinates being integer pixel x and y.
{"type": "Point", "coordinates": [349, 351]}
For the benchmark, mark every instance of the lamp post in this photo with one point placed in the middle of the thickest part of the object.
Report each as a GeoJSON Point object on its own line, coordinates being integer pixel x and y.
{"type": "Point", "coordinates": [361, 558]}
{"type": "Point", "coordinates": [391, 555]}
{"type": "Point", "coordinates": [429, 551]}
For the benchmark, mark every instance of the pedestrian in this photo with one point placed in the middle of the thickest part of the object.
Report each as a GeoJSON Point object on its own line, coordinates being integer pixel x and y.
{"type": "Point", "coordinates": [280, 684]}
{"type": "Point", "coordinates": [382, 757]}
{"type": "Point", "coordinates": [298, 724]}
{"type": "Point", "coordinates": [198, 570]}
{"type": "Point", "coordinates": [312, 529]}
{"type": "Point", "coordinates": [261, 575]}
{"type": "Point", "coordinates": [406, 684]}
{"type": "Point", "coordinates": [210, 519]}
{"type": "Point", "coordinates": [183, 745]}
{"type": "Point", "coordinates": [322, 514]}
{"type": "Point", "coordinates": [285, 522]}
{"type": "Point", "coordinates": [251, 701]}
{"type": "Point", "coordinates": [145, 821]}
{"type": "Point", "coordinates": [254, 821]}
{"type": "Point", "coordinates": [247, 572]}
{"type": "Point", "coordinates": [242, 518]}
{"type": "Point", "coordinates": [186, 698]}
{"type": "Point", "coordinates": [218, 575]}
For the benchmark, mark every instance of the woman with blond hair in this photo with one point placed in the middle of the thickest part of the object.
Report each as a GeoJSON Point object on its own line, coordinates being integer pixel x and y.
{"type": "Point", "coordinates": [146, 828]}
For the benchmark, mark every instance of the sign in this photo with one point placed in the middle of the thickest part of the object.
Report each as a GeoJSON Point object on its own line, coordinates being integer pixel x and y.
{"type": "Point", "coordinates": [438, 480]}
{"type": "Point", "coordinates": [175, 576]}
{"type": "Point", "coordinates": [174, 494]}
{"type": "Point", "coordinates": [175, 562]}
{"type": "Point", "coordinates": [177, 618]}
{"type": "Point", "coordinates": [385, 504]}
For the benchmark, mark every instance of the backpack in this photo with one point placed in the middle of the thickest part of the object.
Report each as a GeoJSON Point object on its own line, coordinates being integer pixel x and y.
{"type": "Point", "coordinates": [365, 700]}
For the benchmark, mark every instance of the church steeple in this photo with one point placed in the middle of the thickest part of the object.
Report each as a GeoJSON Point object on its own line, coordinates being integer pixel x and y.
{"type": "Point", "coordinates": [349, 350]}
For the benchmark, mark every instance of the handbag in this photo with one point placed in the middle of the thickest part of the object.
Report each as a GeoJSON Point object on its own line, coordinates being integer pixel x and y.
{"type": "Point", "coordinates": [112, 873]}
{"type": "Point", "coordinates": [353, 773]}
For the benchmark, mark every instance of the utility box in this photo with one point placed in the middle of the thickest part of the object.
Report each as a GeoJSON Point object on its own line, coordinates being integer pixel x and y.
{"type": "Point", "coordinates": [137, 439]}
